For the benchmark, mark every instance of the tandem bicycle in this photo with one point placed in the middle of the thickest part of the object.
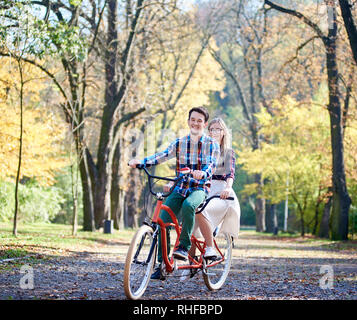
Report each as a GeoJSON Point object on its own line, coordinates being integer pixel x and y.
{"type": "Point", "coordinates": [142, 252]}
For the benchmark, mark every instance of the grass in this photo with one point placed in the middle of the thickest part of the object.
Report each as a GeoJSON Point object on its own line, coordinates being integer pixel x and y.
{"type": "Point", "coordinates": [53, 239]}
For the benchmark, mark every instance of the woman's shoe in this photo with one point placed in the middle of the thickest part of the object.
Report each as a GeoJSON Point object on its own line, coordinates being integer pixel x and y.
{"type": "Point", "coordinates": [210, 253]}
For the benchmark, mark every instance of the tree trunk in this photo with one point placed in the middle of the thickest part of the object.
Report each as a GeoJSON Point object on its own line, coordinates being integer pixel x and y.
{"type": "Point", "coordinates": [286, 206]}
{"type": "Point", "coordinates": [74, 185]}
{"type": "Point", "coordinates": [275, 219]}
{"type": "Point", "coordinates": [259, 207]}
{"type": "Point", "coordinates": [302, 223]}
{"type": "Point", "coordinates": [104, 163]}
{"type": "Point", "coordinates": [271, 219]}
{"type": "Point", "coordinates": [14, 231]}
{"type": "Point", "coordinates": [316, 219]}
{"type": "Point", "coordinates": [121, 209]}
{"type": "Point", "coordinates": [117, 200]}
{"type": "Point", "coordinates": [350, 26]}
{"type": "Point", "coordinates": [88, 173]}
{"type": "Point", "coordinates": [113, 112]}
{"type": "Point", "coordinates": [132, 199]}
{"type": "Point", "coordinates": [341, 200]}
{"type": "Point", "coordinates": [324, 224]}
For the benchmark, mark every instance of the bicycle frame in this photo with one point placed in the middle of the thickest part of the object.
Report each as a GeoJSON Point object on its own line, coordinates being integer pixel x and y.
{"type": "Point", "coordinates": [200, 245]}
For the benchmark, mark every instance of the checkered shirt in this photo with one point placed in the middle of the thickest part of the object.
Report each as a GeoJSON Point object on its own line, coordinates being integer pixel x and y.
{"type": "Point", "coordinates": [202, 155]}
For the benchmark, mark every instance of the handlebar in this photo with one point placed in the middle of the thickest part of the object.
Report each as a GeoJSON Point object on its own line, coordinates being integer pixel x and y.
{"type": "Point", "coordinates": [176, 180]}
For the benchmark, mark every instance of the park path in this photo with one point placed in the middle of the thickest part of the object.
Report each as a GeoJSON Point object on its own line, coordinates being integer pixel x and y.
{"type": "Point", "coordinates": [263, 268]}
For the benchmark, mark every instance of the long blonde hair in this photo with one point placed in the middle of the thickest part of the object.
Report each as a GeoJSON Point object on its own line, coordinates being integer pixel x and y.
{"type": "Point", "coordinates": [226, 142]}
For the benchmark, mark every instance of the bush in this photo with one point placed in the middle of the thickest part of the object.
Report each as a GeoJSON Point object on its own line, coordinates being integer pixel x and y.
{"type": "Point", "coordinates": [36, 203]}
{"type": "Point", "coordinates": [7, 201]}
{"type": "Point", "coordinates": [64, 185]}
{"type": "Point", "coordinates": [41, 204]}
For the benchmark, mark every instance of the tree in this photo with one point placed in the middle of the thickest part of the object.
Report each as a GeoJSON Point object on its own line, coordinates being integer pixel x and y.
{"type": "Point", "coordinates": [30, 140]}
{"type": "Point", "coordinates": [58, 35]}
{"type": "Point", "coordinates": [298, 135]}
{"type": "Point", "coordinates": [341, 199]}
{"type": "Point", "coordinates": [18, 45]}
{"type": "Point", "coordinates": [43, 134]}
{"type": "Point", "coordinates": [349, 25]}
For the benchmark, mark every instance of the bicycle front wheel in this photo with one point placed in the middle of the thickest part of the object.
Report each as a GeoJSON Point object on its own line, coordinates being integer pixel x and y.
{"type": "Point", "coordinates": [139, 263]}
{"type": "Point", "coordinates": [216, 275]}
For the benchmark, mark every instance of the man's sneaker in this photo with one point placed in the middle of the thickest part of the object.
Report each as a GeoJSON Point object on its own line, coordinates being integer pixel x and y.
{"type": "Point", "coordinates": [210, 253]}
{"type": "Point", "coordinates": [180, 253]}
{"type": "Point", "coordinates": [157, 275]}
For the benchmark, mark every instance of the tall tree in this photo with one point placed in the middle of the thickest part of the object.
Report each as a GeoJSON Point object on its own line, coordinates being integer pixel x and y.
{"type": "Point", "coordinates": [349, 25]}
{"type": "Point", "coordinates": [340, 200]}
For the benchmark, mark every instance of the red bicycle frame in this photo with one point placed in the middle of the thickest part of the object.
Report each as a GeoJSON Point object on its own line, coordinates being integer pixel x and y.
{"type": "Point", "coordinates": [200, 245]}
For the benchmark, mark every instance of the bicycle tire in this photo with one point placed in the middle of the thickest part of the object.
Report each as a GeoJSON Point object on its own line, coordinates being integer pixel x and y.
{"type": "Point", "coordinates": [215, 276]}
{"type": "Point", "coordinates": [139, 262]}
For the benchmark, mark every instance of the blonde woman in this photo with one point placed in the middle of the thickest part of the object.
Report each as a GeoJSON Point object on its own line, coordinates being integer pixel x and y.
{"type": "Point", "coordinates": [219, 211]}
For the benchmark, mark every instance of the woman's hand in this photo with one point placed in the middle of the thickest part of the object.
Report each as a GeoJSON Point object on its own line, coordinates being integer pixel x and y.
{"type": "Point", "coordinates": [168, 186]}
{"type": "Point", "coordinates": [225, 193]}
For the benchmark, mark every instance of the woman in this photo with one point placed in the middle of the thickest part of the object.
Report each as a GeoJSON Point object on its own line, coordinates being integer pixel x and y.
{"type": "Point", "coordinates": [225, 213]}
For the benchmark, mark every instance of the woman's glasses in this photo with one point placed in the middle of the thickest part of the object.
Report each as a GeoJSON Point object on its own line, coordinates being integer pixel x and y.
{"type": "Point", "coordinates": [214, 130]}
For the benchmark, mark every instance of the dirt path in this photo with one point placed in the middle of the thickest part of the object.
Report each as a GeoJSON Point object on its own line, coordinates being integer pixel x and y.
{"type": "Point", "coordinates": [262, 268]}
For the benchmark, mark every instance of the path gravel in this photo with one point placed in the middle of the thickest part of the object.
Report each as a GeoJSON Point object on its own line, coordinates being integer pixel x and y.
{"type": "Point", "coordinates": [263, 268]}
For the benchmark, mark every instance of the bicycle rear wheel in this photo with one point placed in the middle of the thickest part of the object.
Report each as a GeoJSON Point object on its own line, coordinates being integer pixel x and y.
{"type": "Point", "coordinates": [216, 275]}
{"type": "Point", "coordinates": [139, 262]}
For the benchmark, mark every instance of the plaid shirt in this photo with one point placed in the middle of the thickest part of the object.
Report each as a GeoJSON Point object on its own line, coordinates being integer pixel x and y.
{"type": "Point", "coordinates": [226, 166]}
{"type": "Point", "coordinates": [202, 155]}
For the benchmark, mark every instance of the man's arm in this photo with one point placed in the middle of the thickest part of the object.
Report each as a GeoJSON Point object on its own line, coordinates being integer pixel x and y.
{"type": "Point", "coordinates": [157, 158]}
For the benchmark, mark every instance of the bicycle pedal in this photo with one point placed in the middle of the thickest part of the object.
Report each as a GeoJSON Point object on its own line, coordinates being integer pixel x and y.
{"type": "Point", "coordinates": [193, 272]}
{"type": "Point", "coordinates": [179, 257]}
{"type": "Point", "coordinates": [212, 259]}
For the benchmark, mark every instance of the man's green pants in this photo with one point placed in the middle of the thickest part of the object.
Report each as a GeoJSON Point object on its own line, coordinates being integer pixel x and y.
{"type": "Point", "coordinates": [188, 206]}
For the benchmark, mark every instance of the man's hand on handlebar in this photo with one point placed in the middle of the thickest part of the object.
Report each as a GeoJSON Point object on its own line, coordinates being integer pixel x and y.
{"type": "Point", "coordinates": [197, 174]}
{"type": "Point", "coordinates": [168, 186]}
{"type": "Point", "coordinates": [133, 163]}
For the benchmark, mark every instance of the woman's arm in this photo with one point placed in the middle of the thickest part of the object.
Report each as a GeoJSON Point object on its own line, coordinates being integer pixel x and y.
{"type": "Point", "coordinates": [230, 162]}
{"type": "Point", "coordinates": [229, 182]}
{"type": "Point", "coordinates": [225, 193]}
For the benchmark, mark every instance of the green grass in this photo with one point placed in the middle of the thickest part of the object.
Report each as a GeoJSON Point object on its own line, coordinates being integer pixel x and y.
{"type": "Point", "coordinates": [52, 239]}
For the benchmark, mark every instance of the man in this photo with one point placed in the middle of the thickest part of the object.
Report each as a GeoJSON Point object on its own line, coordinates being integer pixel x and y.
{"type": "Point", "coordinates": [200, 153]}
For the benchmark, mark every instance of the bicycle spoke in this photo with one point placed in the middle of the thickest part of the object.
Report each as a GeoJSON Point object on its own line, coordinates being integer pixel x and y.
{"type": "Point", "coordinates": [139, 264]}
